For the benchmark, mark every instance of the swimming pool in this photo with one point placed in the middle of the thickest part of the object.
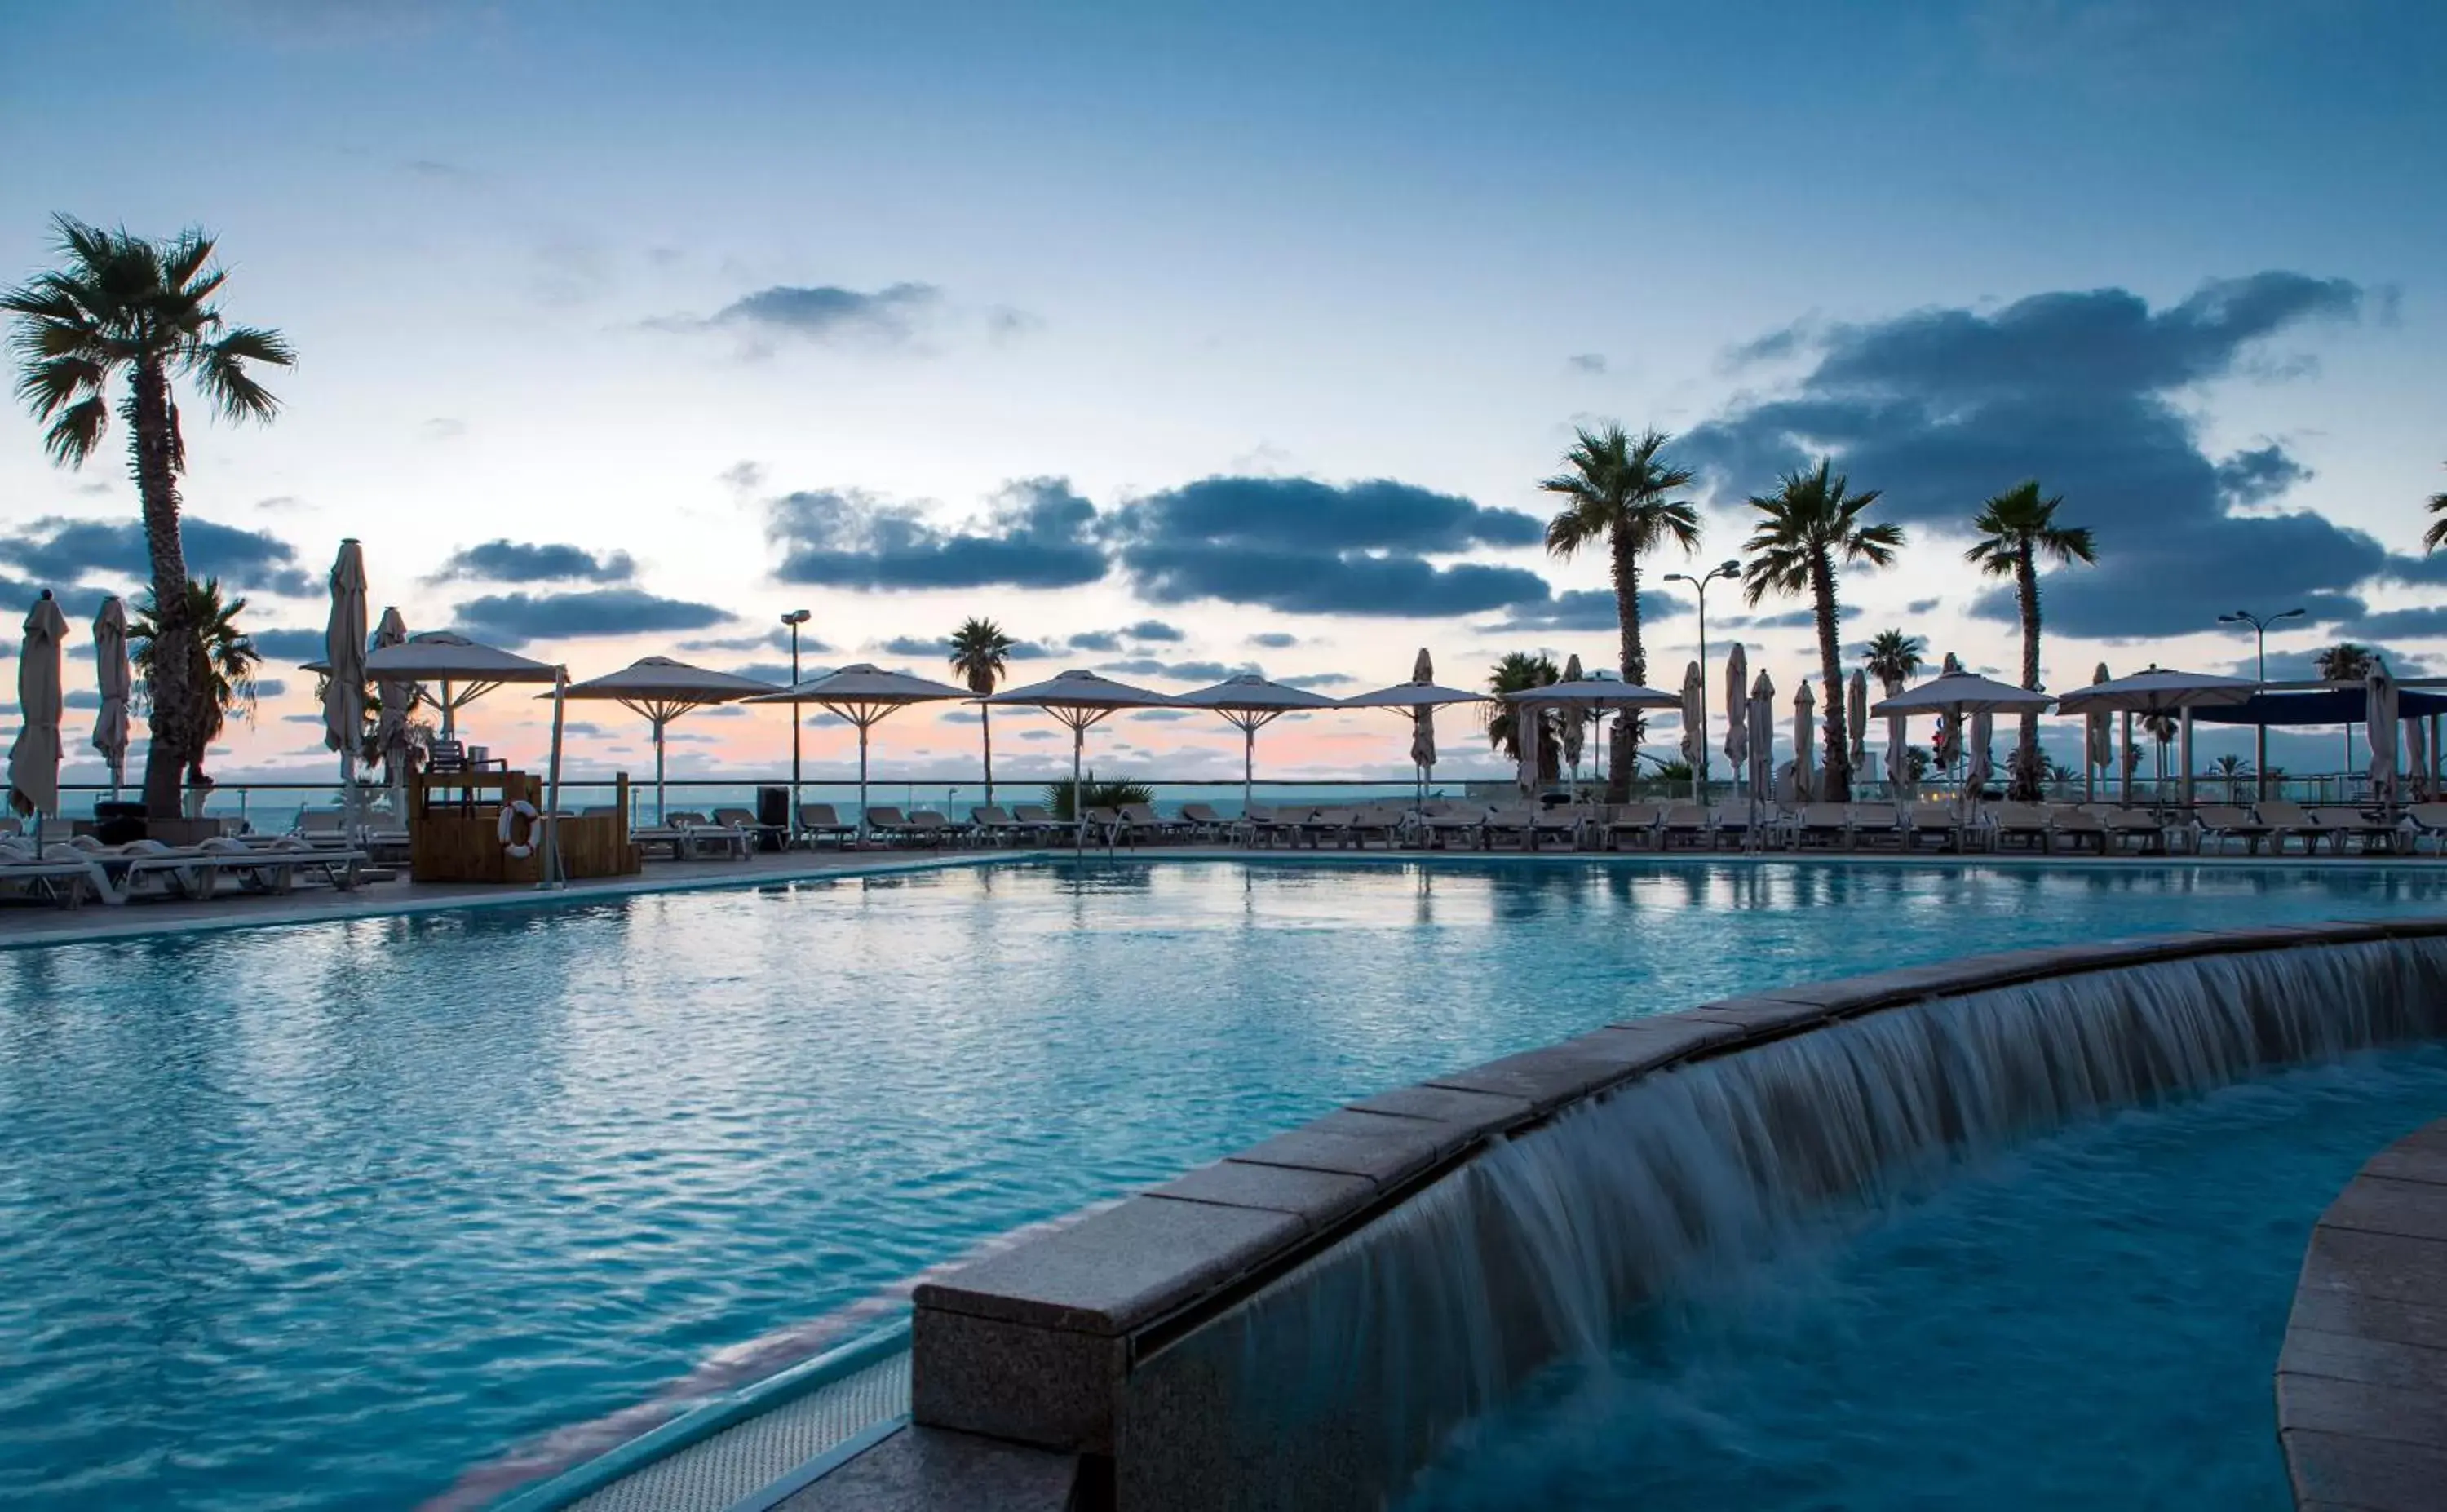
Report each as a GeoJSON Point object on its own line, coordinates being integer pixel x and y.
{"type": "Point", "coordinates": [321, 1216]}
{"type": "Point", "coordinates": [2090, 1319]}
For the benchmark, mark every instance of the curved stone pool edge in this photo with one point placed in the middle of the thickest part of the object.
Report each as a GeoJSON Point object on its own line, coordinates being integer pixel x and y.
{"type": "Point", "coordinates": [2361, 1386]}
{"type": "Point", "coordinates": [1039, 1346]}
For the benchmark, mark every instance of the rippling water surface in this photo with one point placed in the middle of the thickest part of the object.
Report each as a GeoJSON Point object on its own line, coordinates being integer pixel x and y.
{"type": "Point", "coordinates": [323, 1216]}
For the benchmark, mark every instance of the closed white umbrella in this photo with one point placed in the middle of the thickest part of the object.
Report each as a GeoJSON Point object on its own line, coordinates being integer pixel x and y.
{"type": "Point", "coordinates": [1250, 704]}
{"type": "Point", "coordinates": [2098, 737]}
{"type": "Point", "coordinates": [2379, 728]}
{"type": "Point", "coordinates": [659, 690]}
{"type": "Point", "coordinates": [864, 695]}
{"type": "Point", "coordinates": [112, 682]}
{"type": "Point", "coordinates": [1762, 741]}
{"type": "Point", "coordinates": [1856, 713]}
{"type": "Point", "coordinates": [1804, 710]}
{"type": "Point", "coordinates": [1417, 700]}
{"type": "Point", "coordinates": [1983, 733]}
{"type": "Point", "coordinates": [1575, 727]}
{"type": "Point", "coordinates": [1737, 709]}
{"type": "Point", "coordinates": [1898, 745]}
{"type": "Point", "coordinates": [398, 695]}
{"type": "Point", "coordinates": [34, 758]}
{"type": "Point", "coordinates": [344, 685]}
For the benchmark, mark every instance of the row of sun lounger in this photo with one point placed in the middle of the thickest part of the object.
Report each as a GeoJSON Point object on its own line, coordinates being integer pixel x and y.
{"type": "Point", "coordinates": [80, 869]}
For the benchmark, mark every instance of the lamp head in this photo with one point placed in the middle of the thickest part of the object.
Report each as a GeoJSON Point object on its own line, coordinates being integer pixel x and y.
{"type": "Point", "coordinates": [2292, 613]}
{"type": "Point", "coordinates": [1678, 578]}
{"type": "Point", "coordinates": [1731, 569]}
{"type": "Point", "coordinates": [2229, 619]}
{"type": "Point", "coordinates": [796, 616]}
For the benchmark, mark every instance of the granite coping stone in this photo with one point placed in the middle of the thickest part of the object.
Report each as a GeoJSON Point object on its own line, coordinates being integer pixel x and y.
{"type": "Point", "coordinates": [2367, 1475]}
{"type": "Point", "coordinates": [1318, 1199]}
{"type": "Point", "coordinates": [1109, 1273]}
{"type": "Point", "coordinates": [1384, 1149]}
{"type": "Point", "coordinates": [1553, 1075]}
{"type": "Point", "coordinates": [1480, 1112]}
{"type": "Point", "coordinates": [2361, 1383]}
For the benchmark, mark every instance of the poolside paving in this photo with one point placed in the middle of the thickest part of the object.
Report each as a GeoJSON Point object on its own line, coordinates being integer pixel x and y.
{"type": "Point", "coordinates": [2361, 1386]}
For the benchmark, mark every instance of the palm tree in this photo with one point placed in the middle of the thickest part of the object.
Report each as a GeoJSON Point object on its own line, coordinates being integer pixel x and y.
{"type": "Point", "coordinates": [1893, 656]}
{"type": "Point", "coordinates": [2163, 728]}
{"type": "Point", "coordinates": [1518, 671]}
{"type": "Point", "coordinates": [2435, 535]}
{"type": "Point", "coordinates": [2345, 661]}
{"type": "Point", "coordinates": [1615, 491]}
{"type": "Point", "coordinates": [223, 663]}
{"type": "Point", "coordinates": [124, 306]}
{"type": "Point", "coordinates": [1807, 527]}
{"type": "Point", "coordinates": [2017, 528]}
{"type": "Point", "coordinates": [980, 654]}
{"type": "Point", "coordinates": [2234, 769]}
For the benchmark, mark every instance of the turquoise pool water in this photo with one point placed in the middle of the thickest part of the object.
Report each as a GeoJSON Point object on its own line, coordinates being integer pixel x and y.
{"type": "Point", "coordinates": [2089, 1321]}
{"type": "Point", "coordinates": [325, 1215]}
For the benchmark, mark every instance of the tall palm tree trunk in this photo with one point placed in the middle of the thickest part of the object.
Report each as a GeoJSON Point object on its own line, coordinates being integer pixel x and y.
{"type": "Point", "coordinates": [985, 733]}
{"type": "Point", "coordinates": [153, 441]}
{"type": "Point", "coordinates": [2026, 587]}
{"type": "Point", "coordinates": [1624, 753]}
{"type": "Point", "coordinates": [1838, 787]}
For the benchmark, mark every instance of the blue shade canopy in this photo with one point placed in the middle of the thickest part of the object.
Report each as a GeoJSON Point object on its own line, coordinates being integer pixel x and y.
{"type": "Point", "coordinates": [2332, 705]}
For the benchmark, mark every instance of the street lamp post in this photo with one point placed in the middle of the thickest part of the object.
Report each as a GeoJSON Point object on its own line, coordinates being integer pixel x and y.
{"type": "Point", "coordinates": [1699, 586]}
{"type": "Point", "coordinates": [2260, 638]}
{"type": "Point", "coordinates": [794, 619]}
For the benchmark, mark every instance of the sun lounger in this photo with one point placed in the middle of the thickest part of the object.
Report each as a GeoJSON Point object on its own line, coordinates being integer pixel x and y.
{"type": "Point", "coordinates": [1828, 824]}
{"type": "Point", "coordinates": [1633, 822]}
{"type": "Point", "coordinates": [2375, 830]}
{"type": "Point", "coordinates": [1686, 824]}
{"type": "Point", "coordinates": [1203, 822]}
{"type": "Point", "coordinates": [1517, 820]}
{"type": "Point", "coordinates": [2216, 823]}
{"type": "Point", "coordinates": [63, 876]}
{"type": "Point", "coordinates": [1144, 823]}
{"type": "Point", "coordinates": [1038, 821]}
{"type": "Point", "coordinates": [2425, 818]}
{"type": "Point", "coordinates": [2024, 824]}
{"type": "Point", "coordinates": [991, 824]}
{"type": "Point", "coordinates": [1925, 819]}
{"type": "Point", "coordinates": [925, 827]}
{"type": "Point", "coordinates": [2076, 828]}
{"type": "Point", "coordinates": [1875, 825]}
{"type": "Point", "coordinates": [819, 821]}
{"type": "Point", "coordinates": [2289, 821]}
{"type": "Point", "coordinates": [887, 823]}
{"type": "Point", "coordinates": [1440, 827]}
{"type": "Point", "coordinates": [1379, 822]}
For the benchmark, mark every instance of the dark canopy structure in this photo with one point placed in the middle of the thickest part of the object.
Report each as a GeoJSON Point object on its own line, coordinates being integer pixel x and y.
{"type": "Point", "coordinates": [2329, 705]}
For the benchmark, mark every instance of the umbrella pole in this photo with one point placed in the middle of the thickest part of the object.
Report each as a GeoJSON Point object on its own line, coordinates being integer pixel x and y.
{"type": "Point", "coordinates": [552, 872]}
{"type": "Point", "coordinates": [862, 783]}
{"type": "Point", "coordinates": [1248, 761]}
{"type": "Point", "coordinates": [2184, 788]}
{"type": "Point", "coordinates": [659, 797]}
{"type": "Point", "coordinates": [450, 711]}
{"type": "Point", "coordinates": [2124, 759]}
{"type": "Point", "coordinates": [1079, 796]}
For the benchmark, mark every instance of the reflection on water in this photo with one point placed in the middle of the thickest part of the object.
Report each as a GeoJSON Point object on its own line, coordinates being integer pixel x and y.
{"type": "Point", "coordinates": [321, 1214]}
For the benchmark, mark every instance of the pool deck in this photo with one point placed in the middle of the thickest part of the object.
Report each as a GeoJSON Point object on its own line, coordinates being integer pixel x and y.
{"type": "Point", "coordinates": [2361, 1386]}
{"type": "Point", "coordinates": [29, 924]}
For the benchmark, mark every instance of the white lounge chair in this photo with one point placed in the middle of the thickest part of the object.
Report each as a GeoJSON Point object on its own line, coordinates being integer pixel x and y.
{"type": "Point", "coordinates": [2216, 823]}
{"type": "Point", "coordinates": [1924, 819]}
{"type": "Point", "coordinates": [1636, 822]}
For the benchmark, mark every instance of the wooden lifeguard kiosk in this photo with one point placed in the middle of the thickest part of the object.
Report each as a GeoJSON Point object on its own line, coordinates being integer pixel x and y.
{"type": "Point", "coordinates": [473, 820]}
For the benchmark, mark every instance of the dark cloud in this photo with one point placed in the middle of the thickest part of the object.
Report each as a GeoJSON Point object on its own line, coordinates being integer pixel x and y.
{"type": "Point", "coordinates": [778, 638]}
{"type": "Point", "coordinates": [1274, 639]}
{"type": "Point", "coordinates": [1316, 680]}
{"type": "Point", "coordinates": [1942, 409]}
{"type": "Point", "coordinates": [64, 551]}
{"type": "Point", "coordinates": [913, 646]}
{"type": "Point", "coordinates": [1188, 672]}
{"type": "Point", "coordinates": [515, 562]}
{"type": "Point", "coordinates": [1095, 640]}
{"type": "Point", "coordinates": [1155, 630]}
{"type": "Point", "coordinates": [1037, 535]}
{"type": "Point", "coordinates": [81, 698]}
{"type": "Point", "coordinates": [579, 727]}
{"type": "Point", "coordinates": [1032, 651]}
{"type": "Point", "coordinates": [828, 313]}
{"type": "Point", "coordinates": [1303, 546]}
{"type": "Point", "coordinates": [514, 619]}
{"type": "Point", "coordinates": [778, 673]}
{"type": "Point", "coordinates": [270, 687]}
{"type": "Point", "coordinates": [286, 645]}
{"type": "Point", "coordinates": [743, 476]}
{"type": "Point", "coordinates": [2408, 624]}
{"type": "Point", "coordinates": [1580, 608]}
{"type": "Point", "coordinates": [1789, 619]}
{"type": "Point", "coordinates": [1921, 606]}
{"type": "Point", "coordinates": [2298, 666]}
{"type": "Point", "coordinates": [1160, 716]}
{"type": "Point", "coordinates": [1589, 362]}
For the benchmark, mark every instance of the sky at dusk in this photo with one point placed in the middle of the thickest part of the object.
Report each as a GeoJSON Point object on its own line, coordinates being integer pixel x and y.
{"type": "Point", "coordinates": [1186, 342]}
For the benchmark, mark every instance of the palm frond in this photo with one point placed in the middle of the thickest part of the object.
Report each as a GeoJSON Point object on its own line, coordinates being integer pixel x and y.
{"type": "Point", "coordinates": [55, 383]}
{"type": "Point", "coordinates": [74, 435]}
{"type": "Point", "coordinates": [221, 375]}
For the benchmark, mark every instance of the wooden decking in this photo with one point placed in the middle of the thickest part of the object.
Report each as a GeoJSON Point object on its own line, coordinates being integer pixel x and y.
{"type": "Point", "coordinates": [2361, 1387]}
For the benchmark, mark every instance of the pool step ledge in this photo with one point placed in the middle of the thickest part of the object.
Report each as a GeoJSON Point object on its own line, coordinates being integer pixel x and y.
{"type": "Point", "coordinates": [1056, 1344]}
